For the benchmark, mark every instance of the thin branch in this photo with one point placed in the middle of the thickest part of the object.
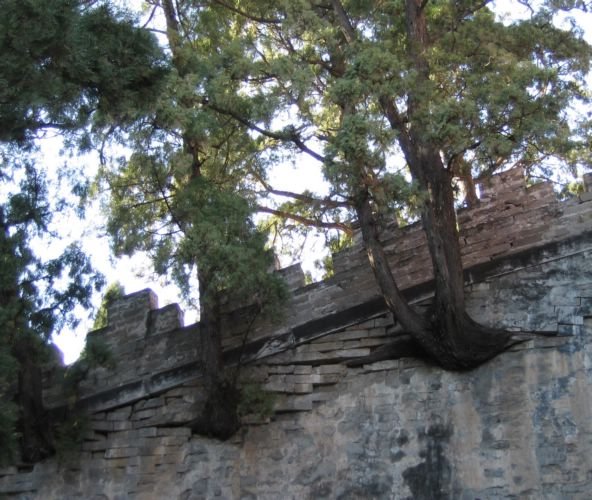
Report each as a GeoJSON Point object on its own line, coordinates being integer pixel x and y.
{"type": "Point", "coordinates": [306, 221]}
{"type": "Point", "coordinates": [292, 137]}
{"type": "Point", "coordinates": [150, 17]}
{"type": "Point", "coordinates": [327, 202]}
{"type": "Point", "coordinates": [346, 26]}
{"type": "Point", "coordinates": [257, 19]}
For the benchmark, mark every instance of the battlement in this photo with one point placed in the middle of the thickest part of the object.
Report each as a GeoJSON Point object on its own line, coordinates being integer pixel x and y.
{"type": "Point", "coordinates": [153, 350]}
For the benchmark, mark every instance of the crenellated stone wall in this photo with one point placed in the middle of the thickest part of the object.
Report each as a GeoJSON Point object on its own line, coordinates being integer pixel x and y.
{"type": "Point", "coordinates": [518, 427]}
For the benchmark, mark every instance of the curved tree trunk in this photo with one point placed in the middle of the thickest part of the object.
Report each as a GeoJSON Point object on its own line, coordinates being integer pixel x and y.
{"type": "Point", "coordinates": [449, 336]}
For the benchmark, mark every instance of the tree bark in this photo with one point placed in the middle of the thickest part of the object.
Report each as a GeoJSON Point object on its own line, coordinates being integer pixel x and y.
{"type": "Point", "coordinates": [449, 335]}
{"type": "Point", "coordinates": [219, 414]}
{"type": "Point", "coordinates": [33, 423]}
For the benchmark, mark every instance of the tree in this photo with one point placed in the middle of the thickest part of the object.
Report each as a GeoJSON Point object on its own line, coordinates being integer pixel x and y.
{"type": "Point", "coordinates": [183, 198]}
{"type": "Point", "coordinates": [370, 90]}
{"type": "Point", "coordinates": [36, 297]}
{"type": "Point", "coordinates": [65, 66]}
{"type": "Point", "coordinates": [401, 103]}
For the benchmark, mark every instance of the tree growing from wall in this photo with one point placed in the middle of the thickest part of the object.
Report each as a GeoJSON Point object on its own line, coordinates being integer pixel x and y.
{"type": "Point", "coordinates": [400, 103]}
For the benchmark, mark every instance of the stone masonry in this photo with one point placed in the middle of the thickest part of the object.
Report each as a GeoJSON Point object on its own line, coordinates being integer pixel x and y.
{"type": "Point", "coordinates": [518, 427]}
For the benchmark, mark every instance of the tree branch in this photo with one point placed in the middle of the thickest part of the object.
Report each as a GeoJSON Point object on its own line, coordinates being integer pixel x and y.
{"type": "Point", "coordinates": [257, 19]}
{"type": "Point", "coordinates": [292, 137]}
{"type": "Point", "coordinates": [327, 202]}
{"type": "Point", "coordinates": [306, 221]}
{"type": "Point", "coordinates": [346, 26]}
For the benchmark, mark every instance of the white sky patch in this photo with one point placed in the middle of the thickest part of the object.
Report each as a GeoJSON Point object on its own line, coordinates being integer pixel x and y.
{"type": "Point", "coordinates": [133, 273]}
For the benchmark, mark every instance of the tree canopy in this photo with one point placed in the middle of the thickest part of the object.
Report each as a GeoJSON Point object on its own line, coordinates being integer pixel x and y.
{"type": "Point", "coordinates": [400, 103]}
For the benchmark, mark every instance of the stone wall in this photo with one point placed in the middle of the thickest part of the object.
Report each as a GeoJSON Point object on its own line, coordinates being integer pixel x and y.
{"type": "Point", "coordinates": [518, 427]}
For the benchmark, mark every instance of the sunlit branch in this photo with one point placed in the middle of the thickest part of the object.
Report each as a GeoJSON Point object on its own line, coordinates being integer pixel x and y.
{"type": "Point", "coordinates": [257, 19]}
{"type": "Point", "coordinates": [305, 220]}
{"type": "Point", "coordinates": [292, 137]}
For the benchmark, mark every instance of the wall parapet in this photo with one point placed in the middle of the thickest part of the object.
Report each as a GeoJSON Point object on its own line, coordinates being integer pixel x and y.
{"type": "Point", "coordinates": [155, 351]}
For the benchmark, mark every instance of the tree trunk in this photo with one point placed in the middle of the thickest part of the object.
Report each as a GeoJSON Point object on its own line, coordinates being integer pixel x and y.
{"type": "Point", "coordinates": [33, 423]}
{"type": "Point", "coordinates": [449, 336]}
{"type": "Point", "coordinates": [219, 414]}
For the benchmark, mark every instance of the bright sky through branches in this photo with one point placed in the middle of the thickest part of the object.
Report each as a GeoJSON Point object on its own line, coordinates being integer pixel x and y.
{"type": "Point", "coordinates": [297, 177]}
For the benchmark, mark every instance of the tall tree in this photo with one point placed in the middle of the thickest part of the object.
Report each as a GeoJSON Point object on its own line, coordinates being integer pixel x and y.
{"type": "Point", "coordinates": [37, 297]}
{"type": "Point", "coordinates": [65, 66]}
{"type": "Point", "coordinates": [184, 198]}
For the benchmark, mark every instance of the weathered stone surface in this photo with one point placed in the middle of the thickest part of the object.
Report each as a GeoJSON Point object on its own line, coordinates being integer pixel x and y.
{"type": "Point", "coordinates": [518, 427]}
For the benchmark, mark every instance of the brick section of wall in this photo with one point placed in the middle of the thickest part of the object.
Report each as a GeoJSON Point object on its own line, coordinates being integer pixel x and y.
{"type": "Point", "coordinates": [511, 218]}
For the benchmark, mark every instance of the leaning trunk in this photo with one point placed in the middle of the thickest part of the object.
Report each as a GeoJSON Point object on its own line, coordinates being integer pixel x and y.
{"type": "Point", "coordinates": [457, 342]}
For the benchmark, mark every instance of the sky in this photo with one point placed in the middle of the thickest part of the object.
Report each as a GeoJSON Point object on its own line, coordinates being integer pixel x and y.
{"type": "Point", "coordinates": [134, 273]}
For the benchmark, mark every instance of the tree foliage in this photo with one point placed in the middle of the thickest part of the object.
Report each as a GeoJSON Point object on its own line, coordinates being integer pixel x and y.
{"type": "Point", "coordinates": [64, 65]}
{"type": "Point", "coordinates": [37, 297]}
{"type": "Point", "coordinates": [401, 104]}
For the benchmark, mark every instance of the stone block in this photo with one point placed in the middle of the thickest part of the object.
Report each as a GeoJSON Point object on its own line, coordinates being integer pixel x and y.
{"type": "Point", "coordinates": [371, 342]}
{"type": "Point", "coordinates": [147, 432]}
{"type": "Point", "coordinates": [123, 414]}
{"type": "Point", "coordinates": [303, 379]}
{"type": "Point", "coordinates": [122, 439]}
{"type": "Point", "coordinates": [132, 461]}
{"type": "Point", "coordinates": [172, 440]}
{"type": "Point", "coordinates": [294, 403]}
{"type": "Point", "coordinates": [165, 320]}
{"type": "Point", "coordinates": [351, 334]}
{"type": "Point", "coordinates": [570, 330]}
{"type": "Point", "coordinates": [122, 425]}
{"type": "Point", "coordinates": [125, 452]}
{"type": "Point", "coordinates": [329, 369]}
{"type": "Point", "coordinates": [280, 369]}
{"type": "Point", "coordinates": [302, 370]}
{"type": "Point", "coordinates": [144, 414]}
{"type": "Point", "coordinates": [322, 346]}
{"type": "Point", "coordinates": [391, 364]}
{"type": "Point", "coordinates": [329, 379]}
{"type": "Point", "coordinates": [302, 388]}
{"type": "Point", "coordinates": [353, 353]}
{"type": "Point", "coordinates": [174, 431]}
{"type": "Point", "coordinates": [8, 471]}
{"type": "Point", "coordinates": [149, 403]}
{"type": "Point", "coordinates": [570, 315]}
